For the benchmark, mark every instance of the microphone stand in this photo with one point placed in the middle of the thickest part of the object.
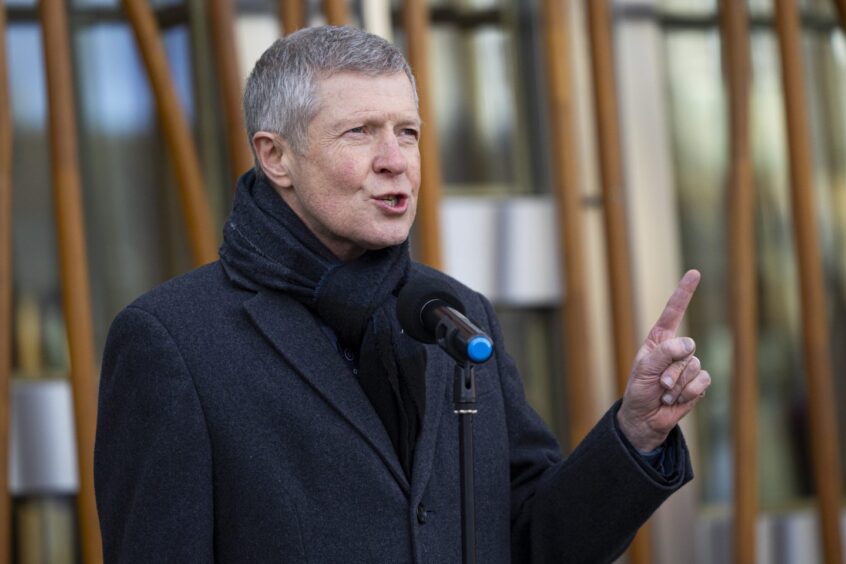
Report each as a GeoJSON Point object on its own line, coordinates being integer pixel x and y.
{"type": "Point", "coordinates": [464, 404]}
{"type": "Point", "coordinates": [430, 313]}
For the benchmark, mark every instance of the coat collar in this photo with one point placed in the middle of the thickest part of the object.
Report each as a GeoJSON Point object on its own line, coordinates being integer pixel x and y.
{"type": "Point", "coordinates": [296, 334]}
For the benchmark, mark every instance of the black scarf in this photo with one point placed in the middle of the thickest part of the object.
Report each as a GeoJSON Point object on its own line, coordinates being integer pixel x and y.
{"type": "Point", "coordinates": [267, 247]}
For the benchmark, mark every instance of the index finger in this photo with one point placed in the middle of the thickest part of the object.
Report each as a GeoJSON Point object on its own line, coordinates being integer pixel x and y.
{"type": "Point", "coordinates": [670, 319]}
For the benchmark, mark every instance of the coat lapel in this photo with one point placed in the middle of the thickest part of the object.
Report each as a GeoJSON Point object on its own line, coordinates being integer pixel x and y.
{"type": "Point", "coordinates": [439, 374]}
{"type": "Point", "coordinates": [296, 334]}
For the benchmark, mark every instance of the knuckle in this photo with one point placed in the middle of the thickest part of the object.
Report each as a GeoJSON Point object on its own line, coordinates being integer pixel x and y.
{"type": "Point", "coordinates": [679, 348]}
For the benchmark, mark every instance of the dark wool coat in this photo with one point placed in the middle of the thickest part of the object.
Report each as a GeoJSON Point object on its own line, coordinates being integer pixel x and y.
{"type": "Point", "coordinates": [231, 430]}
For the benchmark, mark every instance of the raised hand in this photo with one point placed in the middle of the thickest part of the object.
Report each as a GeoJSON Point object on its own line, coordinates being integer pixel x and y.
{"type": "Point", "coordinates": [667, 380]}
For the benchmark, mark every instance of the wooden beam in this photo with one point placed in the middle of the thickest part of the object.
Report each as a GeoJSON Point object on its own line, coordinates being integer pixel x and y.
{"type": "Point", "coordinates": [222, 18]}
{"type": "Point", "coordinates": [743, 300]}
{"type": "Point", "coordinates": [291, 15]}
{"type": "Point", "coordinates": [563, 145]}
{"type": "Point", "coordinates": [614, 215]}
{"type": "Point", "coordinates": [337, 12]}
{"type": "Point", "coordinates": [841, 13]}
{"type": "Point", "coordinates": [6, 126]}
{"type": "Point", "coordinates": [196, 211]}
{"type": "Point", "coordinates": [816, 344]}
{"type": "Point", "coordinates": [416, 23]}
{"type": "Point", "coordinates": [70, 230]}
{"type": "Point", "coordinates": [613, 196]}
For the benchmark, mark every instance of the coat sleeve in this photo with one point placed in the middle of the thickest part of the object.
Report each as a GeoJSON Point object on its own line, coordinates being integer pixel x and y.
{"type": "Point", "coordinates": [588, 506]}
{"type": "Point", "coordinates": [152, 457]}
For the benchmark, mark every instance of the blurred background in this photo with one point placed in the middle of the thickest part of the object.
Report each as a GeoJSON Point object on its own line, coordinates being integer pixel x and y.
{"type": "Point", "coordinates": [541, 119]}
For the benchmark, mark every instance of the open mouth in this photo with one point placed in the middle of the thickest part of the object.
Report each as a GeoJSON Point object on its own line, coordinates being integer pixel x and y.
{"type": "Point", "coordinates": [392, 201]}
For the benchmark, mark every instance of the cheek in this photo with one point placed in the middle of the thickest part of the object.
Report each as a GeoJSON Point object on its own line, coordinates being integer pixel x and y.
{"type": "Point", "coordinates": [414, 171]}
{"type": "Point", "coordinates": [344, 173]}
{"type": "Point", "coordinates": [348, 171]}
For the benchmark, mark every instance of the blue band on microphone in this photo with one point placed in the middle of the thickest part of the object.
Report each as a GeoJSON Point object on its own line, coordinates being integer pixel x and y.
{"type": "Point", "coordinates": [479, 349]}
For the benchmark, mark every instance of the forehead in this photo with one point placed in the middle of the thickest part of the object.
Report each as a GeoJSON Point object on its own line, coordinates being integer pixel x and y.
{"type": "Point", "coordinates": [345, 94]}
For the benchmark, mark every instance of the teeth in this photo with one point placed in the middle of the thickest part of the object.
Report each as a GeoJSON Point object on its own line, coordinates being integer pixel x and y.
{"type": "Point", "coordinates": [392, 200]}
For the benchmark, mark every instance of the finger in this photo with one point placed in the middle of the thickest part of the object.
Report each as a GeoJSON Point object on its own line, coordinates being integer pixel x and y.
{"type": "Point", "coordinates": [691, 370]}
{"type": "Point", "coordinates": [657, 361]}
{"type": "Point", "coordinates": [681, 409]}
{"type": "Point", "coordinates": [670, 377]}
{"type": "Point", "coordinates": [670, 319]}
{"type": "Point", "coordinates": [696, 388]}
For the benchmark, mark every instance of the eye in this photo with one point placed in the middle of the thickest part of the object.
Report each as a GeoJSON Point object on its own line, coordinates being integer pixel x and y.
{"type": "Point", "coordinates": [356, 130]}
{"type": "Point", "coordinates": [410, 132]}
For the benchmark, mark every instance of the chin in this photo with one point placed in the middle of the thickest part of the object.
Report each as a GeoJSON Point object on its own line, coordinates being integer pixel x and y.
{"type": "Point", "coordinates": [383, 245]}
{"type": "Point", "coordinates": [385, 241]}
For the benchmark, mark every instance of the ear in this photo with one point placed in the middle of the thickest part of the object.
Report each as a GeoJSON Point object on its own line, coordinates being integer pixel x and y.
{"type": "Point", "coordinates": [274, 156]}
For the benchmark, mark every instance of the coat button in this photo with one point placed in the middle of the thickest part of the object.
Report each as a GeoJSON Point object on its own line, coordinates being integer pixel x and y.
{"type": "Point", "coordinates": [421, 514]}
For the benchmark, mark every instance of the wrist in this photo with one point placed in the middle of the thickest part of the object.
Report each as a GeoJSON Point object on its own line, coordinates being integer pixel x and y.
{"type": "Point", "coordinates": [640, 435]}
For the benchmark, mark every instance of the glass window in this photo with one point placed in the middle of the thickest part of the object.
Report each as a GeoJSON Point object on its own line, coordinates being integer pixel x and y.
{"type": "Point", "coordinates": [699, 149]}
{"type": "Point", "coordinates": [474, 107]}
{"type": "Point", "coordinates": [39, 342]}
{"type": "Point", "coordinates": [533, 337]}
{"type": "Point", "coordinates": [699, 118]}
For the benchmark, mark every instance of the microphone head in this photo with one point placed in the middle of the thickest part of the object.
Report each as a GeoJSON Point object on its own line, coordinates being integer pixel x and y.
{"type": "Point", "coordinates": [415, 296]}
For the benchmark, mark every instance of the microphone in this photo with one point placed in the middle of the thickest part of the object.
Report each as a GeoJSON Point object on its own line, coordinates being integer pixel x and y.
{"type": "Point", "coordinates": [431, 313]}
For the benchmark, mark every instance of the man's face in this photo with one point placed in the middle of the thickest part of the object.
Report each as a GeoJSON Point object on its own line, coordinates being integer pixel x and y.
{"type": "Point", "coordinates": [356, 184]}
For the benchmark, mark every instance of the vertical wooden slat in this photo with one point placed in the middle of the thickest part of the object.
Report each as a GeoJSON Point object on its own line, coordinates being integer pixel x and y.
{"type": "Point", "coordinates": [70, 229]}
{"type": "Point", "coordinates": [222, 18]}
{"type": "Point", "coordinates": [614, 216]}
{"type": "Point", "coordinates": [337, 12]}
{"type": "Point", "coordinates": [292, 16]}
{"type": "Point", "coordinates": [743, 306]}
{"type": "Point", "coordinates": [841, 12]}
{"type": "Point", "coordinates": [614, 204]}
{"type": "Point", "coordinates": [5, 294]}
{"type": "Point", "coordinates": [416, 23]}
{"type": "Point", "coordinates": [565, 175]}
{"type": "Point", "coordinates": [195, 206]}
{"type": "Point", "coordinates": [816, 344]}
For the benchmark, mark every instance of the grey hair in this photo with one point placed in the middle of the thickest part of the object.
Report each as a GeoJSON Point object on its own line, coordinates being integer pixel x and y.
{"type": "Point", "coordinates": [281, 92]}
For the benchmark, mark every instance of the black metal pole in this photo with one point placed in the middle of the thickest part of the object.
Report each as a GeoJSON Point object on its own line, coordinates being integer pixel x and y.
{"type": "Point", "coordinates": [468, 504]}
{"type": "Point", "coordinates": [464, 394]}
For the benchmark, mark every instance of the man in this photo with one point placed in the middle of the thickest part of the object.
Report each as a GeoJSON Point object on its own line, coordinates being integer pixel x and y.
{"type": "Point", "coordinates": [268, 408]}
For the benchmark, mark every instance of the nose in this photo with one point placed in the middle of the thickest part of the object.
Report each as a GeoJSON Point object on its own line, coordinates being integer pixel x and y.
{"type": "Point", "coordinates": [390, 158]}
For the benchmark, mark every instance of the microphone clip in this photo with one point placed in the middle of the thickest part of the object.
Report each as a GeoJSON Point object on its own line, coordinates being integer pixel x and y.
{"type": "Point", "coordinates": [464, 389]}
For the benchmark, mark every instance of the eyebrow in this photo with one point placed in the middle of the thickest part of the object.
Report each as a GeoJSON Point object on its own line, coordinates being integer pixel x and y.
{"type": "Point", "coordinates": [367, 118]}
